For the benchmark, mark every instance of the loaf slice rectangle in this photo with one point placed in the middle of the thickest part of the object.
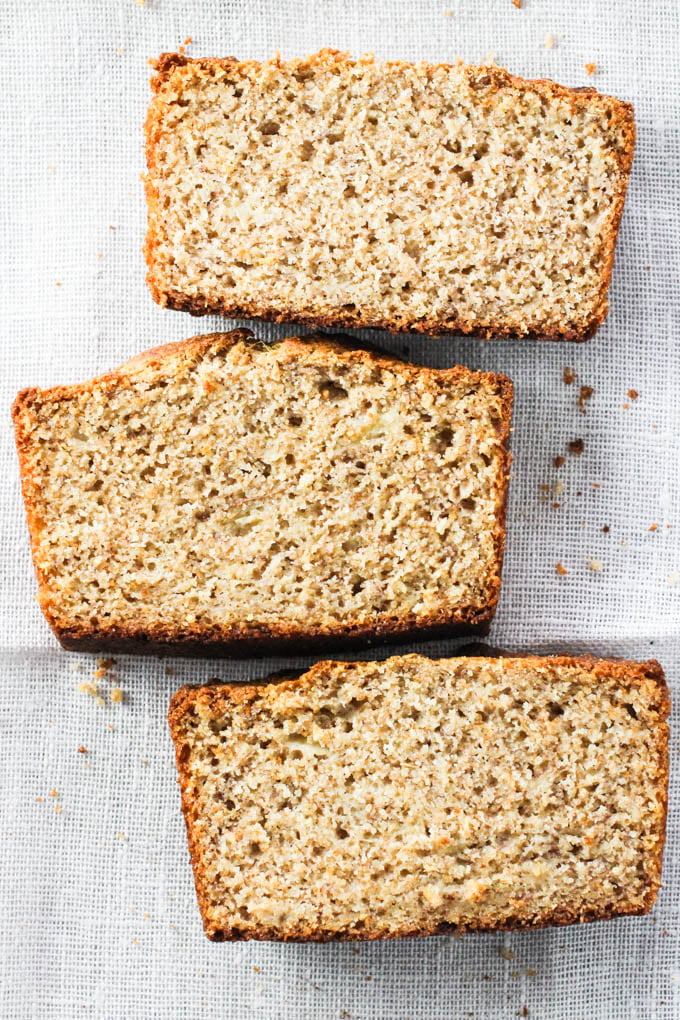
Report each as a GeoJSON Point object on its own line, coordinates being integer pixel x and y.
{"type": "Point", "coordinates": [370, 800]}
{"type": "Point", "coordinates": [223, 495]}
{"type": "Point", "coordinates": [431, 198]}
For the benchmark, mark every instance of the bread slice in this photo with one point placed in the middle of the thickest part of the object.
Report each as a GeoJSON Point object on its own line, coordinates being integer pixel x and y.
{"type": "Point", "coordinates": [225, 495]}
{"type": "Point", "coordinates": [428, 197]}
{"type": "Point", "coordinates": [414, 796]}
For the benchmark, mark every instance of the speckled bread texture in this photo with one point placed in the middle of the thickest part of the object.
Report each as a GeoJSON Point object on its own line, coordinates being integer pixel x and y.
{"type": "Point", "coordinates": [369, 800]}
{"type": "Point", "coordinates": [431, 198]}
{"type": "Point", "coordinates": [223, 495]}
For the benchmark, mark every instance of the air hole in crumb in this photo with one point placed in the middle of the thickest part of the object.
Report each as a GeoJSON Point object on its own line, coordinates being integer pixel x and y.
{"type": "Point", "coordinates": [294, 419]}
{"type": "Point", "coordinates": [330, 390]}
{"type": "Point", "coordinates": [269, 127]}
{"type": "Point", "coordinates": [631, 711]}
{"type": "Point", "coordinates": [554, 710]}
{"type": "Point", "coordinates": [341, 833]}
{"type": "Point", "coordinates": [468, 503]}
{"type": "Point", "coordinates": [306, 151]}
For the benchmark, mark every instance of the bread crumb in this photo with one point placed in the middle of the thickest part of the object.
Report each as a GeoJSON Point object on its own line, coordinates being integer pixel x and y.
{"type": "Point", "coordinates": [87, 687]}
{"type": "Point", "coordinates": [591, 68]}
{"type": "Point", "coordinates": [559, 487]}
{"type": "Point", "coordinates": [595, 565]}
{"type": "Point", "coordinates": [106, 663]}
{"type": "Point", "coordinates": [58, 284]}
{"type": "Point", "coordinates": [586, 393]}
{"type": "Point", "coordinates": [606, 528]}
{"type": "Point", "coordinates": [525, 1011]}
{"type": "Point", "coordinates": [653, 527]}
{"type": "Point", "coordinates": [530, 972]}
{"type": "Point", "coordinates": [82, 750]}
{"type": "Point", "coordinates": [559, 461]}
{"type": "Point", "coordinates": [626, 407]}
{"type": "Point", "coordinates": [448, 14]}
{"type": "Point", "coordinates": [506, 953]}
{"type": "Point", "coordinates": [561, 570]}
{"type": "Point", "coordinates": [141, 3]}
{"type": "Point", "coordinates": [550, 42]}
{"type": "Point", "coordinates": [576, 447]}
{"type": "Point", "coordinates": [517, 4]}
{"type": "Point", "coordinates": [144, 761]}
{"type": "Point", "coordinates": [121, 835]}
{"type": "Point", "coordinates": [54, 793]}
{"type": "Point", "coordinates": [39, 800]}
{"type": "Point", "coordinates": [117, 696]}
{"type": "Point", "coordinates": [596, 485]}
{"type": "Point", "coordinates": [57, 809]}
{"type": "Point", "coordinates": [633, 394]}
{"type": "Point", "coordinates": [568, 375]}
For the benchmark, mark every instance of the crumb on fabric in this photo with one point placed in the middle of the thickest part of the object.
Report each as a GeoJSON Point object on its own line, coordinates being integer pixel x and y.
{"type": "Point", "coordinates": [653, 527]}
{"type": "Point", "coordinates": [117, 695]}
{"type": "Point", "coordinates": [530, 972]}
{"type": "Point", "coordinates": [576, 446]}
{"type": "Point", "coordinates": [517, 4]}
{"type": "Point", "coordinates": [559, 461]}
{"type": "Point", "coordinates": [559, 487]}
{"type": "Point", "coordinates": [57, 809]}
{"type": "Point", "coordinates": [561, 570]}
{"type": "Point", "coordinates": [585, 393]}
{"type": "Point", "coordinates": [82, 749]}
{"type": "Point", "coordinates": [550, 42]}
{"type": "Point", "coordinates": [606, 528]}
{"type": "Point", "coordinates": [595, 565]}
{"type": "Point", "coordinates": [54, 793]}
{"type": "Point", "coordinates": [591, 68]}
{"type": "Point", "coordinates": [106, 663]}
{"type": "Point", "coordinates": [88, 687]}
{"type": "Point", "coordinates": [506, 953]}
{"type": "Point", "coordinates": [633, 394]}
{"type": "Point", "coordinates": [568, 375]}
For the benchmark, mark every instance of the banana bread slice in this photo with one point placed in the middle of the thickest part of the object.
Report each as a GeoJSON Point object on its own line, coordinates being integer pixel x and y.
{"type": "Point", "coordinates": [226, 495]}
{"type": "Point", "coordinates": [414, 796]}
{"type": "Point", "coordinates": [428, 197]}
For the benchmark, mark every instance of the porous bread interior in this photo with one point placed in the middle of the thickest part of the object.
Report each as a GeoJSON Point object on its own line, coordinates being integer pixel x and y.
{"type": "Point", "coordinates": [391, 798]}
{"type": "Point", "coordinates": [393, 193]}
{"type": "Point", "coordinates": [297, 487]}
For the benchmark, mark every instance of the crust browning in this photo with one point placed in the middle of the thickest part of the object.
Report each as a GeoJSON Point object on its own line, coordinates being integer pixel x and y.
{"type": "Point", "coordinates": [170, 69]}
{"type": "Point", "coordinates": [217, 697]}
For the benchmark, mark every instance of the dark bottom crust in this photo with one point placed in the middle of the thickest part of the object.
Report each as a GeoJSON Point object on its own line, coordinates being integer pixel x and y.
{"type": "Point", "coordinates": [557, 920]}
{"type": "Point", "coordinates": [256, 646]}
{"type": "Point", "coordinates": [345, 320]}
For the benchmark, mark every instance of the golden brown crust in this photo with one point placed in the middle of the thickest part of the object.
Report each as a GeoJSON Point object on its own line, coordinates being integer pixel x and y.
{"type": "Point", "coordinates": [621, 113]}
{"type": "Point", "coordinates": [215, 640]}
{"type": "Point", "coordinates": [645, 674]}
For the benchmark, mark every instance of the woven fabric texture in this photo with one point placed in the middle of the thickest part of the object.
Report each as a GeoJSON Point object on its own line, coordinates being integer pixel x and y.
{"type": "Point", "coordinates": [97, 910]}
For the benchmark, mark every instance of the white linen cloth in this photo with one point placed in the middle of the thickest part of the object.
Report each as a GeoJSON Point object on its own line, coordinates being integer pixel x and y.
{"type": "Point", "coordinates": [97, 910]}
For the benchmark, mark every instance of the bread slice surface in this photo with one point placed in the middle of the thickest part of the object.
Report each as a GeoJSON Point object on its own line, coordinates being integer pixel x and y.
{"type": "Point", "coordinates": [417, 796]}
{"type": "Point", "coordinates": [222, 495]}
{"type": "Point", "coordinates": [431, 198]}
